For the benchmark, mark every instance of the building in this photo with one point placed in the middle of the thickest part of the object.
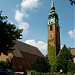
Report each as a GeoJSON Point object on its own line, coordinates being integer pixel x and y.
{"type": "Point", "coordinates": [4, 57]}
{"type": "Point", "coordinates": [73, 53]}
{"type": "Point", "coordinates": [53, 34]}
{"type": "Point", "coordinates": [23, 56]}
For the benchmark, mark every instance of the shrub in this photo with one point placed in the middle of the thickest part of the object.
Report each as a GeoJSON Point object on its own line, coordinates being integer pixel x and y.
{"type": "Point", "coordinates": [41, 65]}
{"type": "Point", "coordinates": [71, 67]}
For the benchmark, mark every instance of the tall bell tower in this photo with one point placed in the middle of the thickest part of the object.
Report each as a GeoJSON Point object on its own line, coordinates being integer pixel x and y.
{"type": "Point", "coordinates": [53, 34]}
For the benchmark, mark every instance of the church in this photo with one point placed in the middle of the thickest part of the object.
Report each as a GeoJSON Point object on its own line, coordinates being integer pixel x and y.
{"type": "Point", "coordinates": [24, 55]}
{"type": "Point", "coordinates": [54, 35]}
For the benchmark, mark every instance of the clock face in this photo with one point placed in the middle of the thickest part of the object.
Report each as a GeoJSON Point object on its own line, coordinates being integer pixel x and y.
{"type": "Point", "coordinates": [52, 20]}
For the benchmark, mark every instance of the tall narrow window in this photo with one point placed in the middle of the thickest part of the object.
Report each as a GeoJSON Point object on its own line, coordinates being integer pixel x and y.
{"type": "Point", "coordinates": [57, 29]}
{"type": "Point", "coordinates": [50, 28]}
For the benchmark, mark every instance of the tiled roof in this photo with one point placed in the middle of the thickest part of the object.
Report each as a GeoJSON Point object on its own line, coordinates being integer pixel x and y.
{"type": "Point", "coordinates": [23, 47]}
{"type": "Point", "coordinates": [17, 52]}
{"type": "Point", "coordinates": [73, 51]}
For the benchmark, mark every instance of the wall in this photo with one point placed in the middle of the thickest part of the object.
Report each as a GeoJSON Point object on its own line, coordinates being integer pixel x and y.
{"type": "Point", "coordinates": [23, 63]}
{"type": "Point", "coordinates": [4, 57]}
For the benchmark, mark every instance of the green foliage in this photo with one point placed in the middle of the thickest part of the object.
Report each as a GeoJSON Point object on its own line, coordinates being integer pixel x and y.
{"type": "Point", "coordinates": [71, 67]}
{"type": "Point", "coordinates": [63, 59]}
{"type": "Point", "coordinates": [52, 54]}
{"type": "Point", "coordinates": [40, 73]}
{"type": "Point", "coordinates": [41, 65]}
{"type": "Point", "coordinates": [5, 64]}
{"type": "Point", "coordinates": [8, 34]}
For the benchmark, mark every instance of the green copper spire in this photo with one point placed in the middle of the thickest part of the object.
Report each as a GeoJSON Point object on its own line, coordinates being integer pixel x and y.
{"type": "Point", "coordinates": [52, 3]}
{"type": "Point", "coordinates": [52, 6]}
{"type": "Point", "coordinates": [53, 16]}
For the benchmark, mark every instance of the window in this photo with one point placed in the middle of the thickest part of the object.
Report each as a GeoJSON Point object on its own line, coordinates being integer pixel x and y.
{"type": "Point", "coordinates": [20, 66]}
{"type": "Point", "coordinates": [50, 28]}
{"type": "Point", "coordinates": [57, 29]}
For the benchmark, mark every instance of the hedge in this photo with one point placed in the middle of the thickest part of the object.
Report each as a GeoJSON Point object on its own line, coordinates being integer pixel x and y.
{"type": "Point", "coordinates": [39, 73]}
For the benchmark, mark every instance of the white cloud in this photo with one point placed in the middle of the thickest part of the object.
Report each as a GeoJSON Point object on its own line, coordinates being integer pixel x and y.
{"type": "Point", "coordinates": [72, 33]}
{"type": "Point", "coordinates": [29, 4]}
{"type": "Point", "coordinates": [11, 22]}
{"type": "Point", "coordinates": [24, 26]}
{"type": "Point", "coordinates": [42, 46]}
{"type": "Point", "coordinates": [19, 16]}
{"type": "Point", "coordinates": [61, 46]}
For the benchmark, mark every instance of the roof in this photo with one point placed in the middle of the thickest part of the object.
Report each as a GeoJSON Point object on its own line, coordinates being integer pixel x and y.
{"type": "Point", "coordinates": [72, 51]}
{"type": "Point", "coordinates": [23, 47]}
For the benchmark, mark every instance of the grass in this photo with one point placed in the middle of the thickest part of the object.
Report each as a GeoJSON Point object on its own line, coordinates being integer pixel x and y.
{"type": "Point", "coordinates": [63, 74]}
{"type": "Point", "coordinates": [38, 73]}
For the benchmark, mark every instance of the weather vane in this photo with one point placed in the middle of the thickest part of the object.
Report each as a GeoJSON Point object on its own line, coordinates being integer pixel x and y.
{"type": "Point", "coordinates": [72, 2]}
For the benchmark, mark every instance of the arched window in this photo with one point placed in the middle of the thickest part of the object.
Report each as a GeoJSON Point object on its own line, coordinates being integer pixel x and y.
{"type": "Point", "coordinates": [50, 28]}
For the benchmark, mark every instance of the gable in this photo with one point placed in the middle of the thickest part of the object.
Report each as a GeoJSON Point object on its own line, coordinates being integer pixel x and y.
{"type": "Point", "coordinates": [72, 51]}
{"type": "Point", "coordinates": [23, 47]}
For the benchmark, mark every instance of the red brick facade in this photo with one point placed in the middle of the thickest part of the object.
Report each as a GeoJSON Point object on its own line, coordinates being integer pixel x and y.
{"type": "Point", "coordinates": [23, 59]}
{"type": "Point", "coordinates": [54, 33]}
{"type": "Point", "coordinates": [24, 63]}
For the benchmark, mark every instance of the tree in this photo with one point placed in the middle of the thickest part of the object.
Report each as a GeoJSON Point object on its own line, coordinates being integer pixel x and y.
{"type": "Point", "coordinates": [6, 64]}
{"type": "Point", "coordinates": [63, 59]}
{"type": "Point", "coordinates": [71, 67]}
{"type": "Point", "coordinates": [8, 35]}
{"type": "Point", "coordinates": [41, 65]}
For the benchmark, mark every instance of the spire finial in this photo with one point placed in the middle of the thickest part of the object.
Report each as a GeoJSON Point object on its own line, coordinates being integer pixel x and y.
{"type": "Point", "coordinates": [52, 3]}
{"type": "Point", "coordinates": [52, 7]}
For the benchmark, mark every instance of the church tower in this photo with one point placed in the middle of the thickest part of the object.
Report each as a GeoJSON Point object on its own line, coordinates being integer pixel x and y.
{"type": "Point", "coordinates": [53, 34]}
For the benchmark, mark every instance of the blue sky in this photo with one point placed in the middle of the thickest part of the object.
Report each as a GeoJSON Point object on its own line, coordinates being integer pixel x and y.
{"type": "Point", "coordinates": [32, 16]}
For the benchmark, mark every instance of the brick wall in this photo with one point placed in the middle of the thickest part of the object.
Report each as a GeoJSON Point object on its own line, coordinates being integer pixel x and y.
{"type": "Point", "coordinates": [23, 63]}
